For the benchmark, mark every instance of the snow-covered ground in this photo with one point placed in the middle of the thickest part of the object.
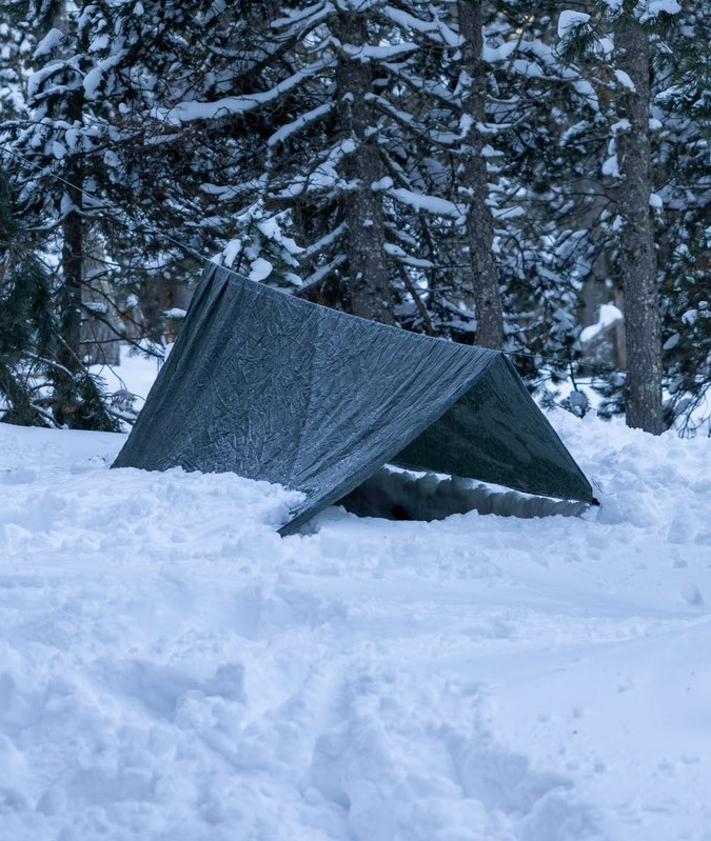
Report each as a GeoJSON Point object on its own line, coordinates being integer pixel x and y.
{"type": "Point", "coordinates": [171, 669]}
{"type": "Point", "coordinates": [135, 374]}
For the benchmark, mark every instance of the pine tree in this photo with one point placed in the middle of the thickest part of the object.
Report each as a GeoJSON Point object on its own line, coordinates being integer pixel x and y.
{"type": "Point", "coordinates": [638, 263]}
{"type": "Point", "coordinates": [682, 122]}
{"type": "Point", "coordinates": [48, 156]}
{"type": "Point", "coordinates": [628, 44]}
{"type": "Point", "coordinates": [472, 170]}
{"type": "Point", "coordinates": [26, 329]}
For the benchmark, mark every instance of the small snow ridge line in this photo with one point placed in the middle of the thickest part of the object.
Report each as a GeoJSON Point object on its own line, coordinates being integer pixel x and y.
{"type": "Point", "coordinates": [401, 495]}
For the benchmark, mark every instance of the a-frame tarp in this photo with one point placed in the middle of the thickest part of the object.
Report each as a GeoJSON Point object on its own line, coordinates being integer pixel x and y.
{"type": "Point", "coordinates": [273, 387]}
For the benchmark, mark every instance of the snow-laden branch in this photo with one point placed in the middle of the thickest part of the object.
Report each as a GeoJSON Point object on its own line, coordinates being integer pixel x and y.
{"type": "Point", "coordinates": [295, 126]}
{"type": "Point", "coordinates": [187, 112]}
{"type": "Point", "coordinates": [430, 204]}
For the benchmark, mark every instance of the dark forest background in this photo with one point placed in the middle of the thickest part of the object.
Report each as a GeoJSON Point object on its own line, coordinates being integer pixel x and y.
{"type": "Point", "coordinates": [531, 176]}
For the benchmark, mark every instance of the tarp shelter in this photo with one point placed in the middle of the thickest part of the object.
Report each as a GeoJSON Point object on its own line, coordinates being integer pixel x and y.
{"type": "Point", "coordinates": [276, 388]}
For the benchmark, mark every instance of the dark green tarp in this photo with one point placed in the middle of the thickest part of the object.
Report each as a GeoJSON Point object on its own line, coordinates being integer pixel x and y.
{"type": "Point", "coordinates": [273, 387]}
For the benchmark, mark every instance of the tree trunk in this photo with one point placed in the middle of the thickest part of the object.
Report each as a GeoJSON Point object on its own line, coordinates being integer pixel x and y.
{"type": "Point", "coordinates": [643, 392]}
{"type": "Point", "coordinates": [101, 327]}
{"type": "Point", "coordinates": [474, 184]}
{"type": "Point", "coordinates": [368, 279]}
{"type": "Point", "coordinates": [69, 300]}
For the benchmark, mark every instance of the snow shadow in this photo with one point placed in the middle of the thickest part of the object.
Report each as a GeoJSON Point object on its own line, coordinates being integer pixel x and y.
{"type": "Point", "coordinates": [394, 494]}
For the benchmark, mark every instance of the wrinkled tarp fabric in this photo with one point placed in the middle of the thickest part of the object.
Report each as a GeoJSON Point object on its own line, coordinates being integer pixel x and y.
{"type": "Point", "coordinates": [275, 388]}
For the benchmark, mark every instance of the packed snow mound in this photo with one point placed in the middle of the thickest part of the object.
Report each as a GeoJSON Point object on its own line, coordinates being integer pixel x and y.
{"type": "Point", "coordinates": [170, 668]}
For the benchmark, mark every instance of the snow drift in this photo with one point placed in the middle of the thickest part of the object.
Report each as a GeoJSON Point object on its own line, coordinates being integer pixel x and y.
{"type": "Point", "coordinates": [172, 669]}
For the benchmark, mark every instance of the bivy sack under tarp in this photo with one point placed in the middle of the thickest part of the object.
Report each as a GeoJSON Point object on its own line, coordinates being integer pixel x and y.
{"type": "Point", "coordinates": [275, 388]}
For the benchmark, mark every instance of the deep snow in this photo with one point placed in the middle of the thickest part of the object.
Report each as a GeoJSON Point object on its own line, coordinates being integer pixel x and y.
{"type": "Point", "coordinates": [171, 669]}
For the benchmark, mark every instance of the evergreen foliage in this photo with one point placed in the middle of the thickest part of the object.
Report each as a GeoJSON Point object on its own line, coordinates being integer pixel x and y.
{"type": "Point", "coordinates": [30, 338]}
{"type": "Point", "coordinates": [372, 156]}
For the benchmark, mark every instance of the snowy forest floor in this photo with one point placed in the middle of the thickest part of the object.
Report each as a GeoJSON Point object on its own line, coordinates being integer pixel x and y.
{"type": "Point", "coordinates": [171, 669]}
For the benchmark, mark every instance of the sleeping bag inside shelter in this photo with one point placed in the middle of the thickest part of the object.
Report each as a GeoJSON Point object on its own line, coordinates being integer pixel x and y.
{"type": "Point", "coordinates": [275, 388]}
